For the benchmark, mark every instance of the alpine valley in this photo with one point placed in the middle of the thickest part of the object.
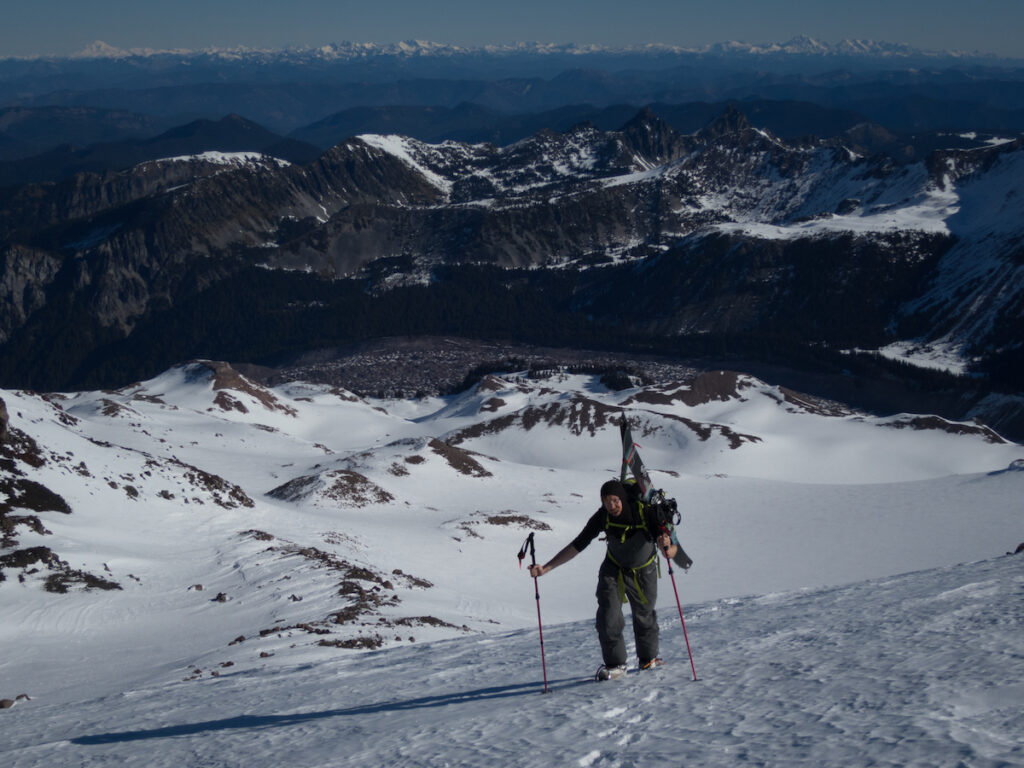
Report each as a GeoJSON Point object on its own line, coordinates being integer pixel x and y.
{"type": "Point", "coordinates": [725, 244]}
{"type": "Point", "coordinates": [280, 405]}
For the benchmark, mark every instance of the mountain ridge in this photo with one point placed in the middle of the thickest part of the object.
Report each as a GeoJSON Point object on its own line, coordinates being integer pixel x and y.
{"type": "Point", "coordinates": [799, 45]}
{"type": "Point", "coordinates": [722, 232]}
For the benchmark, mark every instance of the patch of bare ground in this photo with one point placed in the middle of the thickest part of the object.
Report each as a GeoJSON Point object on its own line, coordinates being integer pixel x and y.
{"type": "Point", "coordinates": [491, 384]}
{"type": "Point", "coordinates": [338, 538]}
{"type": "Point", "coordinates": [815, 405]}
{"type": "Point", "coordinates": [480, 429]}
{"type": "Point", "coordinates": [56, 401]}
{"type": "Point", "coordinates": [364, 590]}
{"type": "Point", "coordinates": [8, 703]}
{"type": "Point", "coordinates": [706, 387]}
{"type": "Point", "coordinates": [297, 489]}
{"type": "Point", "coordinates": [421, 621]}
{"type": "Point", "coordinates": [227, 402]}
{"type": "Point", "coordinates": [344, 395]}
{"type": "Point", "coordinates": [259, 535]}
{"type": "Point", "coordinates": [19, 495]}
{"type": "Point", "coordinates": [410, 580]}
{"type": "Point", "coordinates": [505, 518]}
{"type": "Point", "coordinates": [354, 489]}
{"type": "Point", "coordinates": [153, 400]}
{"type": "Point", "coordinates": [341, 485]}
{"type": "Point", "coordinates": [459, 459]}
{"type": "Point", "coordinates": [706, 431]}
{"type": "Point", "coordinates": [363, 642]}
{"type": "Point", "coordinates": [579, 415]}
{"type": "Point", "coordinates": [9, 525]}
{"type": "Point", "coordinates": [62, 577]}
{"type": "Point", "coordinates": [113, 409]}
{"type": "Point", "coordinates": [941, 424]}
{"type": "Point", "coordinates": [227, 378]}
{"type": "Point", "coordinates": [225, 494]}
{"type": "Point", "coordinates": [371, 641]}
{"type": "Point", "coordinates": [15, 446]}
{"type": "Point", "coordinates": [509, 517]}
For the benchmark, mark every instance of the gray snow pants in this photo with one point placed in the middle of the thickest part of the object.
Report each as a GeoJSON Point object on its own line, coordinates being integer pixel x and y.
{"type": "Point", "coordinates": [610, 621]}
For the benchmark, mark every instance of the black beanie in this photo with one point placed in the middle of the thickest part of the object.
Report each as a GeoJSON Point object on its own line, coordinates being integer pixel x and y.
{"type": "Point", "coordinates": [615, 488]}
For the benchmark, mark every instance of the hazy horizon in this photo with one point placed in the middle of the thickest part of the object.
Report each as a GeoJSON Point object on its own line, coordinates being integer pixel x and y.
{"type": "Point", "coordinates": [63, 28]}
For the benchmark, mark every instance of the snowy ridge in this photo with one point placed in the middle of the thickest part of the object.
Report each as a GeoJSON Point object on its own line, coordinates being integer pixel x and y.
{"type": "Point", "coordinates": [478, 174]}
{"type": "Point", "coordinates": [744, 182]}
{"type": "Point", "coordinates": [752, 183]}
{"type": "Point", "coordinates": [230, 159]}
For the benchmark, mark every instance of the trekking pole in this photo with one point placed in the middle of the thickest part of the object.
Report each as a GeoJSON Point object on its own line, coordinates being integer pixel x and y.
{"type": "Point", "coordinates": [528, 544]}
{"type": "Point", "coordinates": [679, 605]}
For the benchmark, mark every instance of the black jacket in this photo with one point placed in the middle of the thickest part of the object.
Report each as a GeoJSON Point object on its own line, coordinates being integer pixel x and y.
{"type": "Point", "coordinates": [628, 547]}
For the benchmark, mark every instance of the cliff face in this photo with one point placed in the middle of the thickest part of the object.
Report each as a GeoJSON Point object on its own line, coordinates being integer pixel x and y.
{"type": "Point", "coordinates": [729, 230]}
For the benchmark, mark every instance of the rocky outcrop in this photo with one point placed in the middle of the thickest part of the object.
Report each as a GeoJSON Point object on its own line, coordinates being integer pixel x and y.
{"type": "Point", "coordinates": [25, 274]}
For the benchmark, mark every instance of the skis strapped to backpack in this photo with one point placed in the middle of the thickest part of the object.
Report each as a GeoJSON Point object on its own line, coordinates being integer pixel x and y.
{"type": "Point", "coordinates": [665, 512]}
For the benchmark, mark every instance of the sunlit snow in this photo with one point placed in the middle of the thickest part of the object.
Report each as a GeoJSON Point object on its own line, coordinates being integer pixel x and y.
{"type": "Point", "coordinates": [399, 522]}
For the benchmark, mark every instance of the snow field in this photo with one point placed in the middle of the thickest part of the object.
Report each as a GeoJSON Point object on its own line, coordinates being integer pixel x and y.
{"type": "Point", "coordinates": [921, 669]}
{"type": "Point", "coordinates": [823, 668]}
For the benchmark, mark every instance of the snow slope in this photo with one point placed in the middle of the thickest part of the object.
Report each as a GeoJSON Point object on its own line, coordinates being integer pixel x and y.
{"type": "Point", "coordinates": [923, 669]}
{"type": "Point", "coordinates": [311, 578]}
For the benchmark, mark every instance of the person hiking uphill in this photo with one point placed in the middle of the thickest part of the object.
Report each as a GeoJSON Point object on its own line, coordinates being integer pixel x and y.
{"type": "Point", "coordinates": [628, 571]}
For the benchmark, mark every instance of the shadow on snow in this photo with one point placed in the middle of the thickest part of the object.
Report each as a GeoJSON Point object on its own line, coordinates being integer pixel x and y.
{"type": "Point", "coordinates": [277, 721]}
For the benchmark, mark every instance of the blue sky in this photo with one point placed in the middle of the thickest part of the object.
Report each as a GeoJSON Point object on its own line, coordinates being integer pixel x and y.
{"type": "Point", "coordinates": [66, 26]}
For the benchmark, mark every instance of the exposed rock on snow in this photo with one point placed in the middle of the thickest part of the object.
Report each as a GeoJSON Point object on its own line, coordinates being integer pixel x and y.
{"type": "Point", "coordinates": [333, 487]}
{"type": "Point", "coordinates": [225, 379]}
{"type": "Point", "coordinates": [8, 703]}
{"type": "Point", "coordinates": [939, 423]}
{"type": "Point", "coordinates": [459, 459]}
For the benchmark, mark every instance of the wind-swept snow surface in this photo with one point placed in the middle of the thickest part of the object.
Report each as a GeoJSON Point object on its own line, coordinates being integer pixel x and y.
{"type": "Point", "coordinates": [201, 571]}
{"type": "Point", "coordinates": [923, 669]}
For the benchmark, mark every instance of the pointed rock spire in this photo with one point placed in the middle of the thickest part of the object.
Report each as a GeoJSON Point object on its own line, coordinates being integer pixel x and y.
{"type": "Point", "coordinates": [730, 121]}
{"type": "Point", "coordinates": [653, 138]}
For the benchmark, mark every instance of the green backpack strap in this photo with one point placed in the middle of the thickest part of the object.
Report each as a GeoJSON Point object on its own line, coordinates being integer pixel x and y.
{"type": "Point", "coordinates": [636, 579]}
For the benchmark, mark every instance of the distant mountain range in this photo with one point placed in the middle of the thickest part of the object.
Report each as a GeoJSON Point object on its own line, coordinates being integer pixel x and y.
{"type": "Point", "coordinates": [897, 86]}
{"type": "Point", "coordinates": [802, 45]}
